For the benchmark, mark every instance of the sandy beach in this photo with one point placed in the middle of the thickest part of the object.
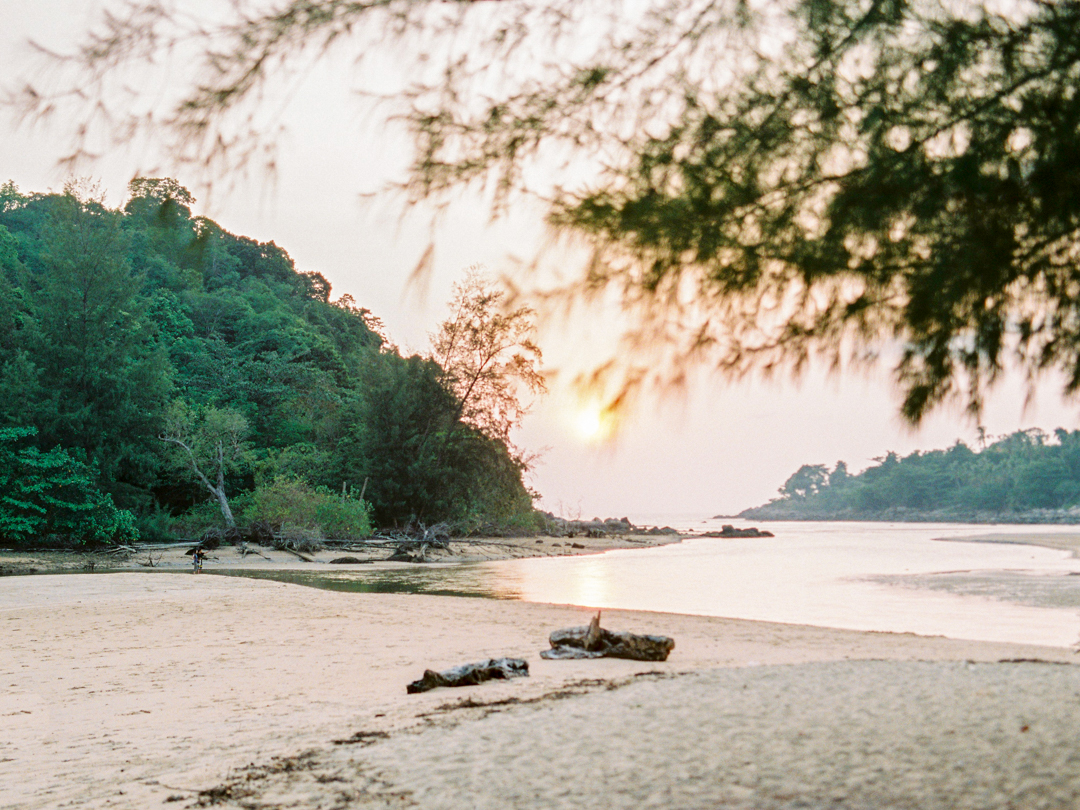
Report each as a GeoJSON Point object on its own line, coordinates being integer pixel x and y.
{"type": "Point", "coordinates": [138, 689]}
{"type": "Point", "coordinates": [469, 549]}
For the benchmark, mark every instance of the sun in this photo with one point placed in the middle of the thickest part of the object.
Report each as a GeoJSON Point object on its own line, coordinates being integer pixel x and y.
{"type": "Point", "coordinates": [593, 423]}
{"type": "Point", "coordinates": [588, 423]}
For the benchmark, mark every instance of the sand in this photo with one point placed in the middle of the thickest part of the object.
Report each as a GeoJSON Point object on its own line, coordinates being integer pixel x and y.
{"type": "Point", "coordinates": [134, 690]}
{"type": "Point", "coordinates": [469, 549]}
{"type": "Point", "coordinates": [1064, 541]}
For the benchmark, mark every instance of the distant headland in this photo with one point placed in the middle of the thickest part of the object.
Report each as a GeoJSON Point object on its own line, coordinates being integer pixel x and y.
{"type": "Point", "coordinates": [1026, 477]}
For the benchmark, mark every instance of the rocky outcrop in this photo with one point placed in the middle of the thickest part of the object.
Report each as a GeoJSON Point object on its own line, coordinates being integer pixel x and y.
{"type": "Point", "coordinates": [727, 530]}
{"type": "Point", "coordinates": [597, 527]}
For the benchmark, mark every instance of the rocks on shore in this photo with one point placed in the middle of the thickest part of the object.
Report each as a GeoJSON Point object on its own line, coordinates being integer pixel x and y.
{"type": "Point", "coordinates": [561, 527]}
{"type": "Point", "coordinates": [727, 530]}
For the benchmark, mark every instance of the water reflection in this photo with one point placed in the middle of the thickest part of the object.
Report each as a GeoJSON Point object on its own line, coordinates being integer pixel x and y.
{"type": "Point", "coordinates": [888, 577]}
{"type": "Point", "coordinates": [436, 580]}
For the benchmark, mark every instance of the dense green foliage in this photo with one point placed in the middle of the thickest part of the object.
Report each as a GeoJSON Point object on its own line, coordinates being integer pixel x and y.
{"type": "Point", "coordinates": [155, 359]}
{"type": "Point", "coordinates": [51, 493]}
{"type": "Point", "coordinates": [1027, 475]}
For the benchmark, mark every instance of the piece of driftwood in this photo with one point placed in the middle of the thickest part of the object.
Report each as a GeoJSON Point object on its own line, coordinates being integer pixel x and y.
{"type": "Point", "coordinates": [595, 642]}
{"type": "Point", "coordinates": [471, 674]}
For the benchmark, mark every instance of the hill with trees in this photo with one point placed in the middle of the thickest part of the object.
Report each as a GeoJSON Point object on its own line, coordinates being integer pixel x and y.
{"type": "Point", "coordinates": [160, 375]}
{"type": "Point", "coordinates": [1025, 477]}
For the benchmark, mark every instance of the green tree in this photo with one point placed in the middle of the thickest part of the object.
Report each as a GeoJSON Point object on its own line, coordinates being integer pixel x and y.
{"type": "Point", "coordinates": [52, 494]}
{"type": "Point", "coordinates": [208, 445]}
{"type": "Point", "coordinates": [486, 353]}
{"type": "Point", "coordinates": [806, 481]}
{"type": "Point", "coordinates": [887, 169]}
{"type": "Point", "coordinates": [104, 378]}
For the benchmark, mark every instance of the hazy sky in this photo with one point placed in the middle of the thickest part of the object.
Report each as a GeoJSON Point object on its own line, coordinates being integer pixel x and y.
{"type": "Point", "coordinates": [718, 449]}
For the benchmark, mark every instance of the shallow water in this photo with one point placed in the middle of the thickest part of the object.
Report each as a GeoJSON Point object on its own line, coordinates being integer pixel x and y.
{"type": "Point", "coordinates": [860, 576]}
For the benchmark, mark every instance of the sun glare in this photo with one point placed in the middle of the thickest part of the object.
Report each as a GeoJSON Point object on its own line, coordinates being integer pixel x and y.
{"type": "Point", "coordinates": [592, 423]}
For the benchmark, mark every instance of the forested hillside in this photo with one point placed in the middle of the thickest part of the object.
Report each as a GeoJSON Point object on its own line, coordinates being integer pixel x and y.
{"type": "Point", "coordinates": [1028, 476]}
{"type": "Point", "coordinates": [158, 373]}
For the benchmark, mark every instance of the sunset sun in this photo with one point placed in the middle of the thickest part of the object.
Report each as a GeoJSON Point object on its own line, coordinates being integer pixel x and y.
{"type": "Point", "coordinates": [593, 423]}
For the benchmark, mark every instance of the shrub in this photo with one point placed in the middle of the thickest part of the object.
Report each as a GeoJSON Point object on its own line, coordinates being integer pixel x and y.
{"type": "Point", "coordinates": [305, 511]}
{"type": "Point", "coordinates": [195, 522]}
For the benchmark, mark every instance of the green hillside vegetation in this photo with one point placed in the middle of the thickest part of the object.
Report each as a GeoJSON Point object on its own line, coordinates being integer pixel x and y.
{"type": "Point", "coordinates": [160, 375]}
{"type": "Point", "coordinates": [1025, 477]}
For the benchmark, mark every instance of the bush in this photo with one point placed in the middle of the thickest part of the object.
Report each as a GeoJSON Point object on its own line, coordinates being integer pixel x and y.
{"type": "Point", "coordinates": [155, 525]}
{"type": "Point", "coordinates": [195, 522]}
{"type": "Point", "coordinates": [310, 512]}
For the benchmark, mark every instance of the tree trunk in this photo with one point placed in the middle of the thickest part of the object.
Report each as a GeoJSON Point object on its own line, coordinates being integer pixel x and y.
{"type": "Point", "coordinates": [219, 490]}
{"type": "Point", "coordinates": [223, 502]}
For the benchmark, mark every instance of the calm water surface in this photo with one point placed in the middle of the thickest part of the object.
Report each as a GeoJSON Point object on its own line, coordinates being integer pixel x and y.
{"type": "Point", "coordinates": [860, 576]}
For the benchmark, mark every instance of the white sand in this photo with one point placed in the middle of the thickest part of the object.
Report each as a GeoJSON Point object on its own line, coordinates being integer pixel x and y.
{"type": "Point", "coordinates": [125, 690]}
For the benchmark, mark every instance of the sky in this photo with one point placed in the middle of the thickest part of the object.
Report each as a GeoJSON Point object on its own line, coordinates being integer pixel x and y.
{"type": "Point", "coordinates": [715, 448]}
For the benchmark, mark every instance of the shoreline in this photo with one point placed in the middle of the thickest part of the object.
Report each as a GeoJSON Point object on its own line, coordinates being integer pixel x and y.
{"type": "Point", "coordinates": [1059, 542]}
{"type": "Point", "coordinates": [128, 691]}
{"type": "Point", "coordinates": [770, 513]}
{"type": "Point", "coordinates": [479, 549]}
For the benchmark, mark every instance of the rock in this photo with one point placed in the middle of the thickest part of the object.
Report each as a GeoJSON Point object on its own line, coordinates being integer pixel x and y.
{"type": "Point", "coordinates": [410, 552]}
{"type": "Point", "coordinates": [727, 530]}
{"type": "Point", "coordinates": [471, 674]}
{"type": "Point", "coordinates": [595, 642]}
{"type": "Point", "coordinates": [348, 561]}
{"type": "Point", "coordinates": [656, 530]}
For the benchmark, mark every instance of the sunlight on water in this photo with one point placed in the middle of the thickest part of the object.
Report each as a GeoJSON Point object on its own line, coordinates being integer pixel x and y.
{"type": "Point", "coordinates": [859, 576]}
{"type": "Point", "coordinates": [822, 574]}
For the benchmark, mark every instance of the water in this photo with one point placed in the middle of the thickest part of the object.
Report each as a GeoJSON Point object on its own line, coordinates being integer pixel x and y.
{"type": "Point", "coordinates": [859, 576]}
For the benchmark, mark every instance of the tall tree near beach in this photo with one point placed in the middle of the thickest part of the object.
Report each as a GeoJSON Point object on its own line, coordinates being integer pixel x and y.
{"type": "Point", "coordinates": [486, 354]}
{"type": "Point", "coordinates": [87, 343]}
{"type": "Point", "coordinates": [758, 181]}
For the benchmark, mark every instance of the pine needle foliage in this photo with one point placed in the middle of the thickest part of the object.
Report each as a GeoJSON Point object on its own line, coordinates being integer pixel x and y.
{"type": "Point", "coordinates": [760, 182]}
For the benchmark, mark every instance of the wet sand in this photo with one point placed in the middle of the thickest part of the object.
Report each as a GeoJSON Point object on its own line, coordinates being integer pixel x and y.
{"type": "Point", "coordinates": [130, 690]}
{"type": "Point", "coordinates": [1064, 542]}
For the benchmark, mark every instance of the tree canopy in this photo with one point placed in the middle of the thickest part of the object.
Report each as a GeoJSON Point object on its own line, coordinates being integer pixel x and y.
{"type": "Point", "coordinates": [1027, 476]}
{"type": "Point", "coordinates": [759, 180]}
{"type": "Point", "coordinates": [152, 362]}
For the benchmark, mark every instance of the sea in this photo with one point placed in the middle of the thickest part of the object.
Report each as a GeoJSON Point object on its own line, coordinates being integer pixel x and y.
{"type": "Point", "coordinates": [922, 578]}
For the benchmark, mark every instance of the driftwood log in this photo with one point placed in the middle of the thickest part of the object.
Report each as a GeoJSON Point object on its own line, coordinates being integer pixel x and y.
{"type": "Point", "coordinates": [595, 642]}
{"type": "Point", "coordinates": [471, 674]}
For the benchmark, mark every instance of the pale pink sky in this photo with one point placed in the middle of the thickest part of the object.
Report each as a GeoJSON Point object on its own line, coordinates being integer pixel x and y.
{"type": "Point", "coordinates": [721, 448]}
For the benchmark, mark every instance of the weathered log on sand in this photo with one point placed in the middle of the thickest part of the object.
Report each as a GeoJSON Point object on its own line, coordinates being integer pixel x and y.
{"type": "Point", "coordinates": [471, 674]}
{"type": "Point", "coordinates": [595, 642]}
